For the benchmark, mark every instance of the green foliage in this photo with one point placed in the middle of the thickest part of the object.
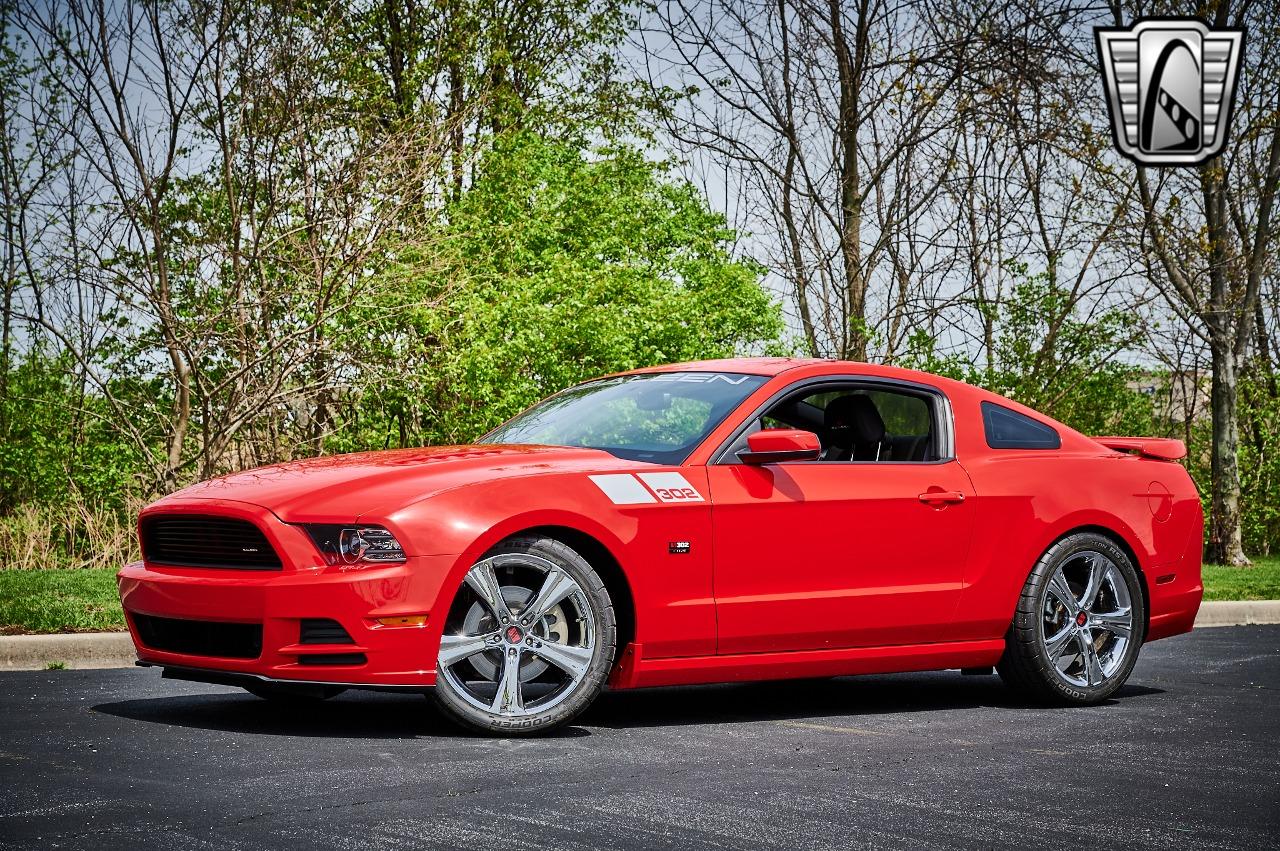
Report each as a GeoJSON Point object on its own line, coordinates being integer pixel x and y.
{"type": "Point", "coordinates": [1050, 358]}
{"type": "Point", "coordinates": [490, 66]}
{"type": "Point", "coordinates": [1259, 461]}
{"type": "Point", "coordinates": [558, 265]}
{"type": "Point", "coordinates": [55, 440]}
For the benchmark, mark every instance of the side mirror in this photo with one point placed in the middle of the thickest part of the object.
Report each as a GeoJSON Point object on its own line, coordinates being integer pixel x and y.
{"type": "Point", "coordinates": [774, 445]}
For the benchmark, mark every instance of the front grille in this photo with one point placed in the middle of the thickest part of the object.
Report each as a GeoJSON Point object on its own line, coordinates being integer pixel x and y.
{"type": "Point", "coordinates": [200, 638]}
{"type": "Point", "coordinates": [323, 631]}
{"type": "Point", "coordinates": [195, 540]}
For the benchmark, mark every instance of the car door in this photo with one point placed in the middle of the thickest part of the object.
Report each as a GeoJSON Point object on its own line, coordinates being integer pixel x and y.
{"type": "Point", "coordinates": [834, 554]}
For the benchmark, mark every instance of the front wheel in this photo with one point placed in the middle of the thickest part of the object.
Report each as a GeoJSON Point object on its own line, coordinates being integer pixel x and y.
{"type": "Point", "coordinates": [528, 641]}
{"type": "Point", "coordinates": [1079, 624]}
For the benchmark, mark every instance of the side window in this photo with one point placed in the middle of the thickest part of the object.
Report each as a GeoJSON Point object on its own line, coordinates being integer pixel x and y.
{"type": "Point", "coordinates": [872, 424]}
{"type": "Point", "coordinates": [857, 422]}
{"type": "Point", "coordinates": [1008, 429]}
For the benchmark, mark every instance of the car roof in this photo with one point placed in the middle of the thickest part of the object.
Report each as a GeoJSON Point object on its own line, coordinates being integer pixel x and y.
{"type": "Point", "coordinates": [776, 366]}
{"type": "Point", "coordinates": [818, 367]}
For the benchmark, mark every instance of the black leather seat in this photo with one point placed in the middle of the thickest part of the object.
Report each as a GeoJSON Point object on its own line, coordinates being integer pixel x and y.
{"type": "Point", "coordinates": [854, 429]}
{"type": "Point", "coordinates": [909, 447]}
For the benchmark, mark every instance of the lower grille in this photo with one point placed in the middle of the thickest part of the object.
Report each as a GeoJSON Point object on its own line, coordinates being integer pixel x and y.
{"type": "Point", "coordinates": [333, 659]}
{"type": "Point", "coordinates": [322, 631]}
{"type": "Point", "coordinates": [200, 638]}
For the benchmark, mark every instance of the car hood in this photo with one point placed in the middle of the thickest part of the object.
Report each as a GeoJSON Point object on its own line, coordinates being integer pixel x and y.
{"type": "Point", "coordinates": [343, 488]}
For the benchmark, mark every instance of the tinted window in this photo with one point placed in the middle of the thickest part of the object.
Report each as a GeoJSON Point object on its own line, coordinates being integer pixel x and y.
{"type": "Point", "coordinates": [856, 422]}
{"type": "Point", "coordinates": [1008, 429]}
{"type": "Point", "coordinates": [902, 414]}
{"type": "Point", "coordinates": [658, 417]}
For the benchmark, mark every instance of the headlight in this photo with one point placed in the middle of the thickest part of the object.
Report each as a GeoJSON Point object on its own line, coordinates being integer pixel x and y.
{"type": "Point", "coordinates": [355, 544]}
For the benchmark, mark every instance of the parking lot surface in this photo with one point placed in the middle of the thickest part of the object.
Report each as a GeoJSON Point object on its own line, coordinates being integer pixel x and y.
{"type": "Point", "coordinates": [1186, 755]}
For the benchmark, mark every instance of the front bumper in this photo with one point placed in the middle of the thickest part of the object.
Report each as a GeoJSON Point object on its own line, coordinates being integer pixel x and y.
{"type": "Point", "coordinates": [239, 680]}
{"type": "Point", "coordinates": [278, 601]}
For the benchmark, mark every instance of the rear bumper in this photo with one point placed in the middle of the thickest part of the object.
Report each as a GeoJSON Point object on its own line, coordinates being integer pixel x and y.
{"type": "Point", "coordinates": [278, 601]}
{"type": "Point", "coordinates": [1176, 590]}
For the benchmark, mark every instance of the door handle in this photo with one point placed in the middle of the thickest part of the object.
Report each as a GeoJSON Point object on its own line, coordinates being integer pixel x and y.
{"type": "Point", "coordinates": [941, 497]}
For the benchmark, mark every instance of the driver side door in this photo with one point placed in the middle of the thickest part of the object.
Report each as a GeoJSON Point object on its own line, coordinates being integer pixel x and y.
{"type": "Point", "coordinates": [813, 555]}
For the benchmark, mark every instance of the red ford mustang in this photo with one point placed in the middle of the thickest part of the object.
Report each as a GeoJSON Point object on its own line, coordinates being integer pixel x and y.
{"type": "Point", "coordinates": [725, 520]}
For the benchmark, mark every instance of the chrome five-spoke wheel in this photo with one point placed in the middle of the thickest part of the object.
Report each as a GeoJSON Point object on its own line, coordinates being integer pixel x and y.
{"type": "Point", "coordinates": [1079, 624]}
{"type": "Point", "coordinates": [525, 639]}
{"type": "Point", "coordinates": [1088, 619]}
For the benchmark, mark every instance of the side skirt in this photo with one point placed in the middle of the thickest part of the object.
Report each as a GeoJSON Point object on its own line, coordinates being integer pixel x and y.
{"type": "Point", "coordinates": [634, 671]}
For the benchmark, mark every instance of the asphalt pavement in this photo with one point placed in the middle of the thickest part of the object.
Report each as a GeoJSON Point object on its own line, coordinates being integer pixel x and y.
{"type": "Point", "coordinates": [1185, 756]}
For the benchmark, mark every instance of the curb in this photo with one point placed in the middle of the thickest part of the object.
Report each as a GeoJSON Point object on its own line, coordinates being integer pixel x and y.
{"type": "Point", "coordinates": [116, 650]}
{"type": "Point", "coordinates": [1237, 613]}
{"type": "Point", "coordinates": [71, 650]}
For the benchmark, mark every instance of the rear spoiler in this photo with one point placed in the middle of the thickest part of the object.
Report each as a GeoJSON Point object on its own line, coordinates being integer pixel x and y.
{"type": "Point", "coordinates": [1160, 448]}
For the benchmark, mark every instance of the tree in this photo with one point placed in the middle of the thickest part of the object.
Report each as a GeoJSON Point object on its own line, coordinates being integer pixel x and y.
{"type": "Point", "coordinates": [563, 265]}
{"type": "Point", "coordinates": [1049, 355]}
{"type": "Point", "coordinates": [248, 226]}
{"type": "Point", "coordinates": [1207, 237]}
{"type": "Point", "coordinates": [838, 127]}
{"type": "Point", "coordinates": [229, 207]}
{"type": "Point", "coordinates": [484, 67]}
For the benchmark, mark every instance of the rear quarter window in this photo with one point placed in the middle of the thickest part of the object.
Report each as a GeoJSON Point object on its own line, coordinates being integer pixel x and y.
{"type": "Point", "coordinates": [1006, 429]}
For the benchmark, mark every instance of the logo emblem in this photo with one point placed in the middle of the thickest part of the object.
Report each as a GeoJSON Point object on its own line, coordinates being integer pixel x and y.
{"type": "Point", "coordinates": [1170, 84]}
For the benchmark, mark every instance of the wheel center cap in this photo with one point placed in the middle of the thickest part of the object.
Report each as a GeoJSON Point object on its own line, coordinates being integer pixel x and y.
{"type": "Point", "coordinates": [1081, 619]}
{"type": "Point", "coordinates": [514, 634]}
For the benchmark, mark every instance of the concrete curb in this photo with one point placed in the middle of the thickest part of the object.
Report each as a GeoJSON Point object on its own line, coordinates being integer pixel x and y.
{"type": "Point", "coordinates": [115, 649]}
{"type": "Point", "coordinates": [72, 650]}
{"type": "Point", "coordinates": [1237, 613]}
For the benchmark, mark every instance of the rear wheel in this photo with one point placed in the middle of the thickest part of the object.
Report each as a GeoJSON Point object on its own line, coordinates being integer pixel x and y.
{"type": "Point", "coordinates": [1079, 624]}
{"type": "Point", "coordinates": [528, 641]}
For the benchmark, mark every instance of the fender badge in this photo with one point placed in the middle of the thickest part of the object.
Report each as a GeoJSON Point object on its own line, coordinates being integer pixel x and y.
{"type": "Point", "coordinates": [678, 547]}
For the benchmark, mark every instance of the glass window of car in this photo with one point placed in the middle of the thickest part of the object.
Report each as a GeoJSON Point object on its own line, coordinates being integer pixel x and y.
{"type": "Point", "coordinates": [857, 422]}
{"type": "Point", "coordinates": [1006, 429]}
{"type": "Point", "coordinates": [659, 417]}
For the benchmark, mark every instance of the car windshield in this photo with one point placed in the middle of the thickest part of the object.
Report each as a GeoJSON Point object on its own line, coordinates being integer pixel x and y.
{"type": "Point", "coordinates": [659, 417]}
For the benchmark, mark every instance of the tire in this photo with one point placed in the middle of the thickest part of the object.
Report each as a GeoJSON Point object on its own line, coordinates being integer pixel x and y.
{"type": "Point", "coordinates": [287, 693]}
{"type": "Point", "coordinates": [542, 666]}
{"type": "Point", "coordinates": [1079, 624]}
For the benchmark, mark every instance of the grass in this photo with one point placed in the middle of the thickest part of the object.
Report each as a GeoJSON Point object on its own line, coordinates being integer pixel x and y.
{"type": "Point", "coordinates": [69, 535]}
{"type": "Point", "coordinates": [59, 601]}
{"type": "Point", "coordinates": [86, 599]}
{"type": "Point", "coordinates": [1260, 582]}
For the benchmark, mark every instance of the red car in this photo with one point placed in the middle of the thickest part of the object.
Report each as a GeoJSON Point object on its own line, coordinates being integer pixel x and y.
{"type": "Point", "coordinates": [726, 520]}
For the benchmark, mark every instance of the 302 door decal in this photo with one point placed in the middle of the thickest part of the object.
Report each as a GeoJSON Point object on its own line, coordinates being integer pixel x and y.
{"type": "Point", "coordinates": [641, 488]}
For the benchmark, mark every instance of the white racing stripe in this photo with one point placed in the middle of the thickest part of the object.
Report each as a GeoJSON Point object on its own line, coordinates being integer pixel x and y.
{"type": "Point", "coordinates": [626, 489]}
{"type": "Point", "coordinates": [623, 489]}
